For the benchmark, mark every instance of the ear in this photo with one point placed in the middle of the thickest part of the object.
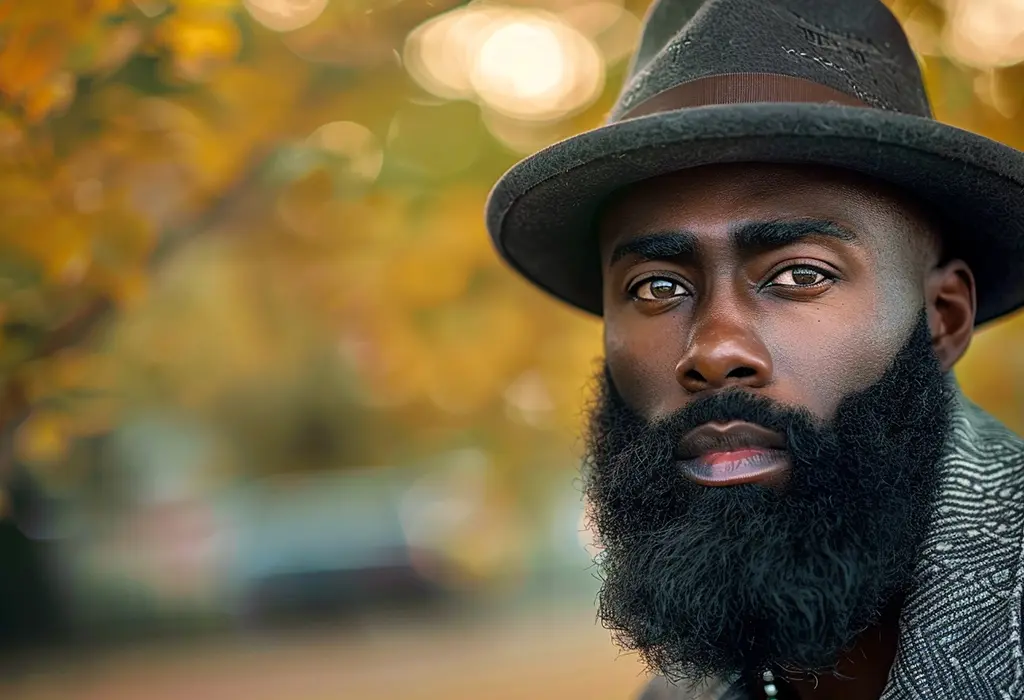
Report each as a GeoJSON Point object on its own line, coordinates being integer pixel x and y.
{"type": "Point", "coordinates": [952, 305]}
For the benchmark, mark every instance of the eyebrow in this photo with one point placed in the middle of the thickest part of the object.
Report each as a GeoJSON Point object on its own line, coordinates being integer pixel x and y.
{"type": "Point", "coordinates": [776, 234]}
{"type": "Point", "coordinates": [751, 236]}
{"type": "Point", "coordinates": [657, 246]}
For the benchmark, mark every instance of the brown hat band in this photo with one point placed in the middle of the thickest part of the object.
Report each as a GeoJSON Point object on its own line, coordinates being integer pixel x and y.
{"type": "Point", "coordinates": [741, 88]}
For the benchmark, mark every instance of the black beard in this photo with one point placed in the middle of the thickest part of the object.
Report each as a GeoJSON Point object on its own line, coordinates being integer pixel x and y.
{"type": "Point", "coordinates": [710, 582]}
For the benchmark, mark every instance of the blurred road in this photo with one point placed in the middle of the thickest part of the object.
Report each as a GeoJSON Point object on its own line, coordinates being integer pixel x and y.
{"type": "Point", "coordinates": [551, 653]}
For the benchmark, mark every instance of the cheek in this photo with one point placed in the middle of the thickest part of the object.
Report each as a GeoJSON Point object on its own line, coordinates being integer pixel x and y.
{"type": "Point", "coordinates": [817, 366]}
{"type": "Point", "coordinates": [642, 361]}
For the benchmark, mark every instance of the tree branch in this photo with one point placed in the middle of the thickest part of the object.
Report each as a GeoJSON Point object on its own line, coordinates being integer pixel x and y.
{"type": "Point", "coordinates": [14, 406]}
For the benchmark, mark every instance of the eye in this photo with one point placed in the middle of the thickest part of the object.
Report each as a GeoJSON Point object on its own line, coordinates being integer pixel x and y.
{"type": "Point", "coordinates": [657, 289]}
{"type": "Point", "coordinates": [801, 276]}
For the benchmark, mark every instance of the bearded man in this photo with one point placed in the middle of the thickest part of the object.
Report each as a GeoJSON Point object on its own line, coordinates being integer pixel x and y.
{"type": "Point", "coordinates": [789, 255]}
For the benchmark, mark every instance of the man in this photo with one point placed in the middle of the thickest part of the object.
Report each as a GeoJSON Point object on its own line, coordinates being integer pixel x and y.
{"type": "Point", "coordinates": [790, 256]}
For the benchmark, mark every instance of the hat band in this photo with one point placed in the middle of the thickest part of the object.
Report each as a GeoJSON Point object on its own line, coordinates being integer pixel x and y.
{"type": "Point", "coordinates": [741, 88]}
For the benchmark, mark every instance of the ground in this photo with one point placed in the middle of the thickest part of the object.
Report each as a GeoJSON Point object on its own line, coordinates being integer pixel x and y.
{"type": "Point", "coordinates": [544, 653]}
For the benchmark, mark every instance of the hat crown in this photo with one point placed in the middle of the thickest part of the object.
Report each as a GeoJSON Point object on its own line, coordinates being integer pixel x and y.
{"type": "Point", "coordinates": [855, 47]}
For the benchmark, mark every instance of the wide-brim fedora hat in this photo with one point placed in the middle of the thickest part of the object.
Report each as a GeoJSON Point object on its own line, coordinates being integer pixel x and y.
{"type": "Point", "coordinates": [822, 82]}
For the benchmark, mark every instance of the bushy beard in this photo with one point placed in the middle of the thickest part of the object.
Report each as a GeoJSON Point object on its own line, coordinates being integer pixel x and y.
{"type": "Point", "coordinates": [715, 581]}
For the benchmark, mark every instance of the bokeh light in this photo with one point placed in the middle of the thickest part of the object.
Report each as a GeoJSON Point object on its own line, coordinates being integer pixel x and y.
{"type": "Point", "coordinates": [526, 64]}
{"type": "Point", "coordinates": [537, 67]}
{"type": "Point", "coordinates": [285, 15]}
{"type": "Point", "coordinates": [353, 142]}
{"type": "Point", "coordinates": [439, 53]}
{"type": "Point", "coordinates": [151, 8]}
{"type": "Point", "coordinates": [996, 90]}
{"type": "Point", "coordinates": [614, 29]}
{"type": "Point", "coordinates": [985, 33]}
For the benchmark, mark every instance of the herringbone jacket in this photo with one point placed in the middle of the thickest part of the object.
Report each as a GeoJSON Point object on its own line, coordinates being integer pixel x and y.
{"type": "Point", "coordinates": [960, 629]}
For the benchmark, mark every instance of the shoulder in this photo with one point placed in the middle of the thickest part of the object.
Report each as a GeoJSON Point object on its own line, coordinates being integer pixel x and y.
{"type": "Point", "coordinates": [992, 457]}
{"type": "Point", "coordinates": [985, 441]}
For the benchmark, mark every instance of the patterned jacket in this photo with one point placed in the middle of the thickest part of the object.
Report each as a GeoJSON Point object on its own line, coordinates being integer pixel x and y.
{"type": "Point", "coordinates": [960, 629]}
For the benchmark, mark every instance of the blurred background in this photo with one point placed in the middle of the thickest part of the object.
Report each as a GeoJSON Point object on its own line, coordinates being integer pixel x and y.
{"type": "Point", "coordinates": [274, 421]}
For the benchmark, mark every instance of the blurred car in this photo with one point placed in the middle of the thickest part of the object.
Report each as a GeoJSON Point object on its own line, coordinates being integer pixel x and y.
{"type": "Point", "coordinates": [176, 552]}
{"type": "Point", "coordinates": [311, 545]}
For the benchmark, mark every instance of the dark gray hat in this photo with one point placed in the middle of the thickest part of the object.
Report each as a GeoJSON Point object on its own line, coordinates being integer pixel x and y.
{"type": "Point", "coordinates": [825, 82]}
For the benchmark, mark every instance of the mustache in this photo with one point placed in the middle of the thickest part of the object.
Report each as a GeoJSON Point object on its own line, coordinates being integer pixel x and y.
{"type": "Point", "coordinates": [727, 406]}
{"type": "Point", "coordinates": [738, 405]}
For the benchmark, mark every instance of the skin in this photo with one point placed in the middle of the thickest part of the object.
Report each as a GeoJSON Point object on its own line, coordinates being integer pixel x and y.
{"type": "Point", "coordinates": [805, 321]}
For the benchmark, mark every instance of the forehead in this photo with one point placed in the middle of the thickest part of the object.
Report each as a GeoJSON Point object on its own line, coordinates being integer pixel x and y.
{"type": "Point", "coordinates": [709, 199]}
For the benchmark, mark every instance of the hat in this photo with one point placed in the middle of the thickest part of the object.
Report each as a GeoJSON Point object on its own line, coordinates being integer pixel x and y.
{"type": "Point", "coordinates": [822, 82]}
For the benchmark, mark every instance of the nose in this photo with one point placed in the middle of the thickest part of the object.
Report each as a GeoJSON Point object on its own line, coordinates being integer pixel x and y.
{"type": "Point", "coordinates": [722, 354]}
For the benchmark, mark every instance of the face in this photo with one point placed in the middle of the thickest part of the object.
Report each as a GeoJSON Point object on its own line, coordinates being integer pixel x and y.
{"type": "Point", "coordinates": [794, 283]}
{"type": "Point", "coordinates": [763, 453]}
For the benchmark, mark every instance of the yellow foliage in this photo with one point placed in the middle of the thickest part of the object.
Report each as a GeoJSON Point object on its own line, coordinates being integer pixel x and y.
{"type": "Point", "coordinates": [200, 43]}
{"type": "Point", "coordinates": [68, 370]}
{"type": "Point", "coordinates": [29, 58]}
{"type": "Point", "coordinates": [53, 94]}
{"type": "Point", "coordinates": [42, 438]}
{"type": "Point", "coordinates": [206, 6]}
{"type": "Point", "coordinates": [37, 40]}
{"type": "Point", "coordinates": [993, 375]}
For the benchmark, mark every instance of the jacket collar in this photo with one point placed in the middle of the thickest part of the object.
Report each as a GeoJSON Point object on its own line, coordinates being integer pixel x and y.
{"type": "Point", "coordinates": [960, 629]}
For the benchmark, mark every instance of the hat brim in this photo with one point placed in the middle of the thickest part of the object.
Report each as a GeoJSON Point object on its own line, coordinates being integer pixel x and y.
{"type": "Point", "coordinates": [541, 213]}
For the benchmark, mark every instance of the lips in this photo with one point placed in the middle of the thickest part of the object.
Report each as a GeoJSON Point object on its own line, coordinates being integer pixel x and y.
{"type": "Point", "coordinates": [725, 454]}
